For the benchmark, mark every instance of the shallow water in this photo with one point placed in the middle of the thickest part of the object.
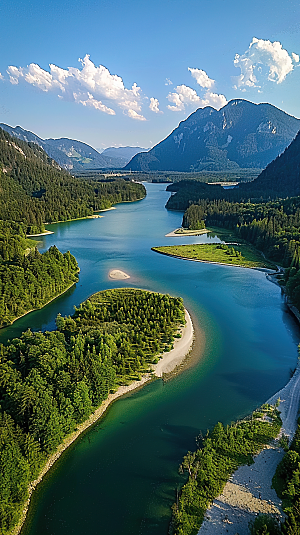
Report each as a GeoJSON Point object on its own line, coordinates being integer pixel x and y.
{"type": "Point", "coordinates": [121, 476]}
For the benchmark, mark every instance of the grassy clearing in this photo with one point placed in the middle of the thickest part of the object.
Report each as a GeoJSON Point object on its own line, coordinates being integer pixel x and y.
{"type": "Point", "coordinates": [235, 255]}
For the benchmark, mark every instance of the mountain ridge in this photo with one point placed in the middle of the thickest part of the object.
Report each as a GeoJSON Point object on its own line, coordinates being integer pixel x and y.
{"type": "Point", "coordinates": [239, 135]}
{"type": "Point", "coordinates": [70, 154]}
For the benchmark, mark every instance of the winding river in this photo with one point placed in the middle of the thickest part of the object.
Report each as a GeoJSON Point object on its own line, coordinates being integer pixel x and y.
{"type": "Point", "coordinates": [121, 475]}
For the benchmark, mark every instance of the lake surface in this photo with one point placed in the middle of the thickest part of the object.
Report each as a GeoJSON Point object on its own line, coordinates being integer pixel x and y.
{"type": "Point", "coordinates": [121, 475]}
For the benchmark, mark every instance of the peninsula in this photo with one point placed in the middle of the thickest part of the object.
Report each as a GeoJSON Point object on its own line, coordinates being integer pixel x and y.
{"type": "Point", "coordinates": [115, 342]}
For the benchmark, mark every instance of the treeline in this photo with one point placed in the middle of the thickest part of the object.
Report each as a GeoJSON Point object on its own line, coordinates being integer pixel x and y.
{"type": "Point", "coordinates": [28, 279]}
{"type": "Point", "coordinates": [287, 485]}
{"type": "Point", "coordinates": [221, 452]}
{"type": "Point", "coordinates": [273, 227]}
{"type": "Point", "coordinates": [34, 190]}
{"type": "Point", "coordinates": [280, 179]}
{"type": "Point", "coordinates": [50, 382]}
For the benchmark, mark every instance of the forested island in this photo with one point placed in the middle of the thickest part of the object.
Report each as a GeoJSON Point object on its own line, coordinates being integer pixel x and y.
{"type": "Point", "coordinates": [50, 382]}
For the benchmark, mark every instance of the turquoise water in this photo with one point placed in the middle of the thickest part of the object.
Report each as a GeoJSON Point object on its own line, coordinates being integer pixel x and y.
{"type": "Point", "coordinates": [121, 475]}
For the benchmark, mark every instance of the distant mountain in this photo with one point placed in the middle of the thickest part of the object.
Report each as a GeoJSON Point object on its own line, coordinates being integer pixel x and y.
{"type": "Point", "coordinates": [70, 154]}
{"type": "Point", "coordinates": [241, 134]}
{"type": "Point", "coordinates": [122, 153]}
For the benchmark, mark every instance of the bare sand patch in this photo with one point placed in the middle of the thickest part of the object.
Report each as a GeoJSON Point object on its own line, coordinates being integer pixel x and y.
{"type": "Point", "coordinates": [117, 274]}
{"type": "Point", "coordinates": [185, 232]}
{"type": "Point", "coordinates": [182, 347]}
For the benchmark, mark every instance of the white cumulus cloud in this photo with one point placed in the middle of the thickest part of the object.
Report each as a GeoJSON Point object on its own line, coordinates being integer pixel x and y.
{"type": "Point", "coordinates": [154, 105]}
{"type": "Point", "coordinates": [202, 78]}
{"type": "Point", "coordinates": [186, 96]}
{"type": "Point", "coordinates": [264, 57]}
{"type": "Point", "coordinates": [89, 85]}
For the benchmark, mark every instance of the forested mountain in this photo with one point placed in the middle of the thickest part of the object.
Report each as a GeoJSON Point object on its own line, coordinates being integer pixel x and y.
{"type": "Point", "coordinates": [280, 179]}
{"type": "Point", "coordinates": [50, 382]}
{"type": "Point", "coordinates": [34, 191]}
{"type": "Point", "coordinates": [68, 153]}
{"type": "Point", "coordinates": [241, 134]}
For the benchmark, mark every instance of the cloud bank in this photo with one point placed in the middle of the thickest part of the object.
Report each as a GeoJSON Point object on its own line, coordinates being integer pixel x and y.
{"type": "Point", "coordinates": [186, 96]}
{"type": "Point", "coordinates": [89, 86]}
{"type": "Point", "coordinates": [264, 59]}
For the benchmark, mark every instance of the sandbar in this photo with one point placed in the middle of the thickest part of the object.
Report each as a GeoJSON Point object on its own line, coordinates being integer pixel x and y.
{"type": "Point", "coordinates": [185, 232]}
{"type": "Point", "coordinates": [117, 274]}
{"type": "Point", "coordinates": [40, 234]}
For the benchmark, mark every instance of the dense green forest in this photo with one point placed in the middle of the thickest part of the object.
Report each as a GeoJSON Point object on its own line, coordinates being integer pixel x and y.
{"type": "Point", "coordinates": [221, 452]}
{"type": "Point", "coordinates": [34, 190]}
{"type": "Point", "coordinates": [287, 485]}
{"type": "Point", "coordinates": [50, 382]}
{"type": "Point", "coordinates": [273, 227]}
{"type": "Point", "coordinates": [28, 279]}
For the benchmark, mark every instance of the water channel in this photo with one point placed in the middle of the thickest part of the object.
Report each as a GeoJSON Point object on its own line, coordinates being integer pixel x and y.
{"type": "Point", "coordinates": [121, 475]}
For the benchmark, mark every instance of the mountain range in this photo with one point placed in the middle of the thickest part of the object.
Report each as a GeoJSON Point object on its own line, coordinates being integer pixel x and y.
{"type": "Point", "coordinates": [239, 135]}
{"type": "Point", "coordinates": [75, 155]}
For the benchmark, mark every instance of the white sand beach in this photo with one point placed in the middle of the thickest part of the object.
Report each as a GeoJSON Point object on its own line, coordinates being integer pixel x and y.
{"type": "Point", "coordinates": [117, 274]}
{"type": "Point", "coordinates": [182, 347]}
{"type": "Point", "coordinates": [248, 492]}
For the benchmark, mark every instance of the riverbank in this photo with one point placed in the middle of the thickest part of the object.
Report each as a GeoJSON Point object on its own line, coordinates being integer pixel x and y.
{"type": "Point", "coordinates": [167, 363]}
{"type": "Point", "coordinates": [252, 262]}
{"type": "Point", "coordinates": [34, 309]}
{"type": "Point", "coordinates": [248, 491]}
{"type": "Point", "coordinates": [40, 234]}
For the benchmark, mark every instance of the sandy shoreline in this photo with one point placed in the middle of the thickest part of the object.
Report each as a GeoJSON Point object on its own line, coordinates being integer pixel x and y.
{"type": "Point", "coordinates": [179, 232]}
{"type": "Point", "coordinates": [167, 364]}
{"type": "Point", "coordinates": [40, 234]}
{"type": "Point", "coordinates": [266, 270]}
{"type": "Point", "coordinates": [248, 491]}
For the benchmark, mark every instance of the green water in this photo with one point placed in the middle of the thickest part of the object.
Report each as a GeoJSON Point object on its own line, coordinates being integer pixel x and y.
{"type": "Point", "coordinates": [121, 476]}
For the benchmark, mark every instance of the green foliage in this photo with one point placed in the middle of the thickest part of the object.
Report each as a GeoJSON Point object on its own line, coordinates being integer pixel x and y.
{"type": "Point", "coordinates": [236, 255]}
{"type": "Point", "coordinates": [28, 279]}
{"type": "Point", "coordinates": [224, 449]}
{"type": "Point", "coordinates": [273, 227]}
{"type": "Point", "coordinates": [52, 381]}
{"type": "Point", "coordinates": [264, 525]}
{"type": "Point", "coordinates": [34, 190]}
{"type": "Point", "coordinates": [286, 482]}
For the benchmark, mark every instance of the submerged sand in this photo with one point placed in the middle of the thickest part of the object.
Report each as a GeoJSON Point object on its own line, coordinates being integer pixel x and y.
{"type": "Point", "coordinates": [117, 274]}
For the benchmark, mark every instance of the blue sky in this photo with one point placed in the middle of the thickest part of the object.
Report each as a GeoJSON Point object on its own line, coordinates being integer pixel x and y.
{"type": "Point", "coordinates": [145, 66]}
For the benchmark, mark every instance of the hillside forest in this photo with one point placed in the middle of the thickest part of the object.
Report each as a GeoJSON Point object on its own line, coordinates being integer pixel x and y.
{"type": "Point", "coordinates": [34, 191]}
{"type": "Point", "coordinates": [50, 382]}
